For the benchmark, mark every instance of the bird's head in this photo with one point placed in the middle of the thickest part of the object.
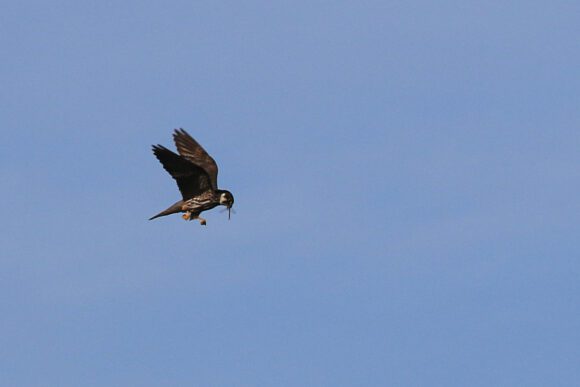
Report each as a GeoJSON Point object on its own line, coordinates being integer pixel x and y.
{"type": "Point", "coordinates": [226, 199]}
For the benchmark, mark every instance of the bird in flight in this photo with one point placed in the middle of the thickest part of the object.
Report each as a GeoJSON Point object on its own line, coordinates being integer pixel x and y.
{"type": "Point", "coordinates": [196, 174]}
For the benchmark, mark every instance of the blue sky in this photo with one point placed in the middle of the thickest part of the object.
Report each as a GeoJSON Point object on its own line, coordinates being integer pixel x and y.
{"type": "Point", "coordinates": [406, 181]}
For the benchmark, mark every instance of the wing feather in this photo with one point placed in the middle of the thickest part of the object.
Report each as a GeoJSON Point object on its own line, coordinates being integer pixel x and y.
{"type": "Point", "coordinates": [193, 152]}
{"type": "Point", "coordinates": [191, 179]}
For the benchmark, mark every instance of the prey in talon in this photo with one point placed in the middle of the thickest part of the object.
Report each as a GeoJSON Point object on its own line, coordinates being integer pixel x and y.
{"type": "Point", "coordinates": [195, 172]}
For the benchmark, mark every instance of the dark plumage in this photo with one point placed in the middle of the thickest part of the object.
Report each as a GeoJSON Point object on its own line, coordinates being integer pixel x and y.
{"type": "Point", "coordinates": [195, 172]}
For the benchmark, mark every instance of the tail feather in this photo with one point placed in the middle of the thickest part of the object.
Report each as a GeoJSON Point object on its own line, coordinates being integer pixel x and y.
{"type": "Point", "coordinates": [174, 209]}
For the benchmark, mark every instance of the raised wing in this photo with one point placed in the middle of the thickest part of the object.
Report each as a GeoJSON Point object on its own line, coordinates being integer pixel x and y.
{"type": "Point", "coordinates": [191, 179]}
{"type": "Point", "coordinates": [193, 152]}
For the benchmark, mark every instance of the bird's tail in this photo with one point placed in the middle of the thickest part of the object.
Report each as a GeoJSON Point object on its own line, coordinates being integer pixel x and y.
{"type": "Point", "coordinates": [174, 209]}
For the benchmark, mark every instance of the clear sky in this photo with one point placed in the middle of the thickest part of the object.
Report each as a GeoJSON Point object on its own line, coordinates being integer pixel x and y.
{"type": "Point", "coordinates": [406, 175]}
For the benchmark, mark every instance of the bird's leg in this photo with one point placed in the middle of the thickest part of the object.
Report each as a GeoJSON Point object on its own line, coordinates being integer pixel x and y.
{"type": "Point", "coordinates": [202, 221]}
{"type": "Point", "coordinates": [187, 215]}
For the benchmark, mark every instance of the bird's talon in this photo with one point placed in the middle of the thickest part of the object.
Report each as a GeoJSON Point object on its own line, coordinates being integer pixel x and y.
{"type": "Point", "coordinates": [186, 216]}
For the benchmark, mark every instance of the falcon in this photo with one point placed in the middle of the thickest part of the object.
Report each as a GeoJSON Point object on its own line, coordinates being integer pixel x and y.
{"type": "Point", "coordinates": [195, 172]}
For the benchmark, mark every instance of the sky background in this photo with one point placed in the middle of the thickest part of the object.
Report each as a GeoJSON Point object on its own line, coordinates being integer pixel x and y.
{"type": "Point", "coordinates": [406, 176]}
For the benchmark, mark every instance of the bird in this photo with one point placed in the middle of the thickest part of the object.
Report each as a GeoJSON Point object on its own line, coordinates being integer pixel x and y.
{"type": "Point", "coordinates": [195, 172]}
